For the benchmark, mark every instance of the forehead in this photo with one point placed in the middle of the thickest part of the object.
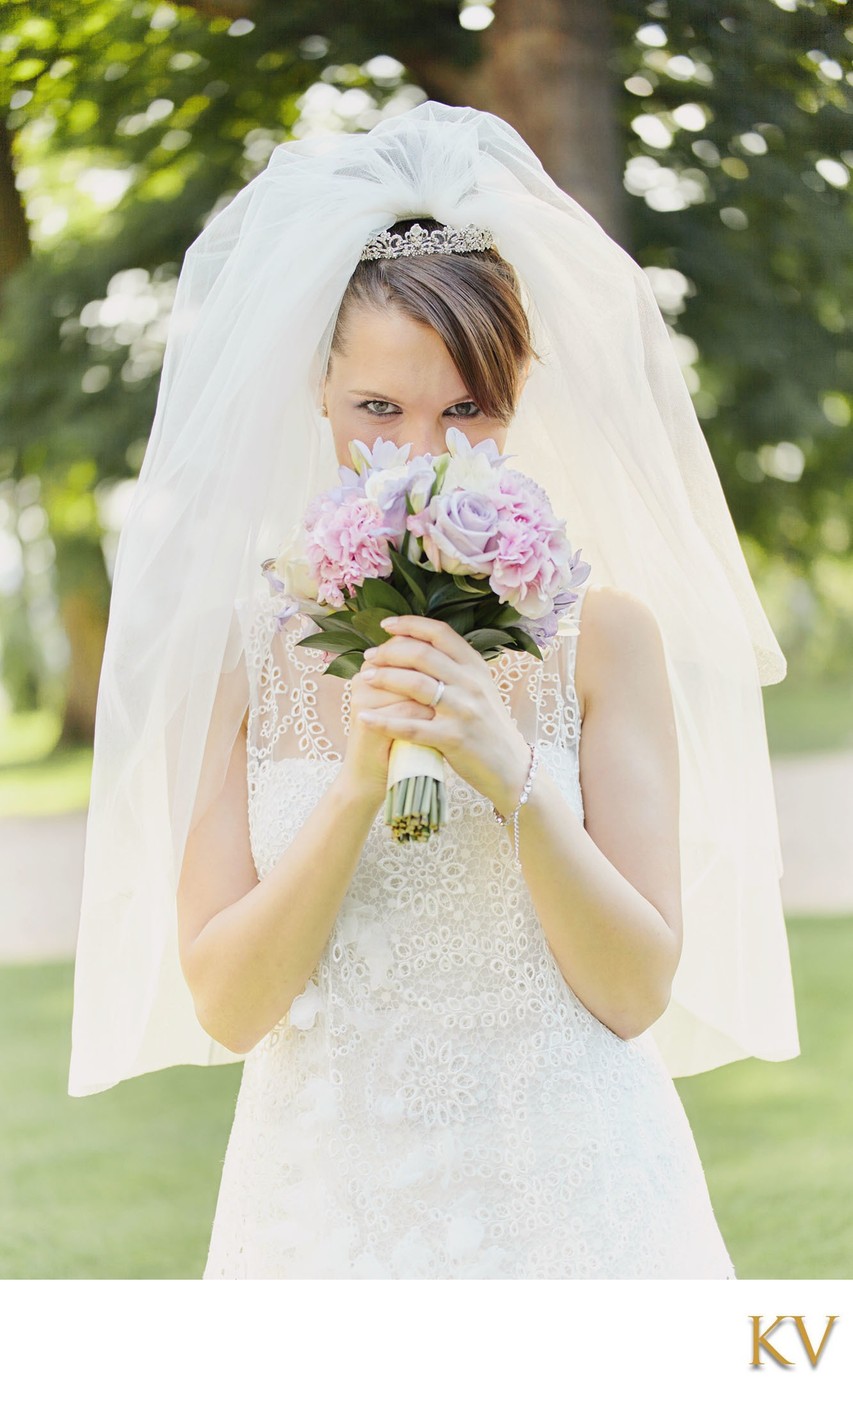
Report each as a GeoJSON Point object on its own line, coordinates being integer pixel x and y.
{"type": "Point", "coordinates": [387, 350]}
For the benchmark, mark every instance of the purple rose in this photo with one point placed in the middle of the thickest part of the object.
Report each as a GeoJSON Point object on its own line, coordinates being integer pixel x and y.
{"type": "Point", "coordinates": [459, 532]}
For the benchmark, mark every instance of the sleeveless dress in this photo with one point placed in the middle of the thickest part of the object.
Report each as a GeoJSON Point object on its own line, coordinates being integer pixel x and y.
{"type": "Point", "coordinates": [438, 1103]}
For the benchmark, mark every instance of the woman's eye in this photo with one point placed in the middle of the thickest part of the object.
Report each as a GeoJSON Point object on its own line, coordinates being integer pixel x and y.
{"type": "Point", "coordinates": [386, 409]}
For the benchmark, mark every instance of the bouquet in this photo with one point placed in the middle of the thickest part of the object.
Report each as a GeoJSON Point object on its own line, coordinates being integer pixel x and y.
{"type": "Point", "coordinates": [457, 537]}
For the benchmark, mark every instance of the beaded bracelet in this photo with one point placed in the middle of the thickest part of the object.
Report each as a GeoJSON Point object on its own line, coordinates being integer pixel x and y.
{"type": "Point", "coordinates": [505, 819]}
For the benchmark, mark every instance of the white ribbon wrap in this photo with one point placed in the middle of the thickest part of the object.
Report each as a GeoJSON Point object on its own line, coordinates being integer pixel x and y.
{"type": "Point", "coordinates": [414, 759]}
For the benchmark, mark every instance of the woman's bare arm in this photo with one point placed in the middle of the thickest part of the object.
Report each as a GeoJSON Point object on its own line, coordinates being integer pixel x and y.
{"type": "Point", "coordinates": [608, 890]}
{"type": "Point", "coordinates": [248, 947]}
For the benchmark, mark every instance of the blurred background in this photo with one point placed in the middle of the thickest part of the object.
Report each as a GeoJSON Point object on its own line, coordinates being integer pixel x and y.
{"type": "Point", "coordinates": [715, 144]}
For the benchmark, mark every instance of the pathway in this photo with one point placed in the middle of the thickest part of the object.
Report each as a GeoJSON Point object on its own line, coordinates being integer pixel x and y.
{"type": "Point", "coordinates": [41, 859]}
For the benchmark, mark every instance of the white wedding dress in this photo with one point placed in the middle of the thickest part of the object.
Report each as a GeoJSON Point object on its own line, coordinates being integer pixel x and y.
{"type": "Point", "coordinates": [441, 1104]}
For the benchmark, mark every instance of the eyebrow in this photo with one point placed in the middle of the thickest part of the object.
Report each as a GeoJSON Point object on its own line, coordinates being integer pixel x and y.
{"type": "Point", "coordinates": [375, 395]}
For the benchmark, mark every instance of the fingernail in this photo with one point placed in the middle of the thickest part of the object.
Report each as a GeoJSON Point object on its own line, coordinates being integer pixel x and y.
{"type": "Point", "coordinates": [392, 619]}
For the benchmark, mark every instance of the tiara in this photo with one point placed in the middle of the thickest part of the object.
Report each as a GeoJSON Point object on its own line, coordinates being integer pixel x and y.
{"type": "Point", "coordinates": [418, 240]}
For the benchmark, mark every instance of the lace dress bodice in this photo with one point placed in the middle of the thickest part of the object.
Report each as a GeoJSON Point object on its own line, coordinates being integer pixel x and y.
{"type": "Point", "coordinates": [438, 1102]}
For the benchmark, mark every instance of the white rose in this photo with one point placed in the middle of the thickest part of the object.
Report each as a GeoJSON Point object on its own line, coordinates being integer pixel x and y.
{"type": "Point", "coordinates": [293, 569]}
{"type": "Point", "coordinates": [298, 578]}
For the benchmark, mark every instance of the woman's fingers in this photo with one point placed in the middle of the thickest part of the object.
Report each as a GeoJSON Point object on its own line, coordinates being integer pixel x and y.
{"type": "Point", "coordinates": [441, 653]}
{"type": "Point", "coordinates": [407, 683]}
{"type": "Point", "coordinates": [374, 695]}
{"type": "Point", "coordinates": [438, 634]}
{"type": "Point", "coordinates": [411, 726]}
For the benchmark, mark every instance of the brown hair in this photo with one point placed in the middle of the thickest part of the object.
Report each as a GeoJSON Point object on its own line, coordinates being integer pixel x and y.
{"type": "Point", "coordinates": [472, 300]}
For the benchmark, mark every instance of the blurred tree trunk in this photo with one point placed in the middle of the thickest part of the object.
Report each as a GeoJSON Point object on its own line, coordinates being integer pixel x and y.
{"type": "Point", "coordinates": [82, 580]}
{"type": "Point", "coordinates": [14, 232]}
{"type": "Point", "coordinates": [85, 626]}
{"type": "Point", "coordinates": [545, 68]}
{"type": "Point", "coordinates": [83, 606]}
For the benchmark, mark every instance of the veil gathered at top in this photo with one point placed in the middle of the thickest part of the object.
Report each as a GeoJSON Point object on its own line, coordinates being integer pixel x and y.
{"type": "Point", "coordinates": [237, 450]}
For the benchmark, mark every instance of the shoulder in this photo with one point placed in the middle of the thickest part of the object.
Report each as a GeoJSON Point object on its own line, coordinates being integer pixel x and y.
{"type": "Point", "coordinates": [619, 636]}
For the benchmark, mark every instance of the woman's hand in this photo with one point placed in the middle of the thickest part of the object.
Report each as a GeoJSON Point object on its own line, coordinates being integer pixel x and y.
{"type": "Point", "coordinates": [366, 759]}
{"type": "Point", "coordinates": [471, 725]}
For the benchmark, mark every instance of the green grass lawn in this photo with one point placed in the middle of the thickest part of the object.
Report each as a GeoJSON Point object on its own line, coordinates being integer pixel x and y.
{"type": "Point", "coordinates": [36, 779]}
{"type": "Point", "coordinates": [119, 1185]}
{"type": "Point", "coordinates": [123, 1184]}
{"type": "Point", "coordinates": [777, 1138]}
{"type": "Point", "coordinates": [804, 716]}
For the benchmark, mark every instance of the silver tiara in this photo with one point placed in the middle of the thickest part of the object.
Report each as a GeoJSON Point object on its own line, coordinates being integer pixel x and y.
{"type": "Point", "coordinates": [418, 240]}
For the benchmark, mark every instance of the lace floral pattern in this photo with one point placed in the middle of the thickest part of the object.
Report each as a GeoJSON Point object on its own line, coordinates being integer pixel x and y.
{"type": "Point", "coordinates": [438, 1103]}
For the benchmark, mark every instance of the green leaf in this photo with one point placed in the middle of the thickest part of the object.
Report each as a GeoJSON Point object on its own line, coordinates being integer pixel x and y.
{"type": "Point", "coordinates": [481, 639]}
{"type": "Point", "coordinates": [367, 624]}
{"type": "Point", "coordinates": [334, 640]}
{"type": "Point", "coordinates": [445, 590]}
{"type": "Point", "coordinates": [414, 602]}
{"type": "Point", "coordinates": [473, 587]}
{"type": "Point", "coordinates": [346, 665]}
{"type": "Point", "coordinates": [459, 617]}
{"type": "Point", "coordinates": [453, 607]}
{"type": "Point", "coordinates": [382, 595]}
{"type": "Point", "coordinates": [507, 614]}
{"type": "Point", "coordinates": [525, 642]}
{"type": "Point", "coordinates": [415, 577]}
{"type": "Point", "coordinates": [323, 618]}
{"type": "Point", "coordinates": [493, 615]}
{"type": "Point", "coordinates": [423, 574]}
{"type": "Point", "coordinates": [340, 616]}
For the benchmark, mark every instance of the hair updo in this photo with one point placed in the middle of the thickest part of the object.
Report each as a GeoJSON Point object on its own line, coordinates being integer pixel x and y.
{"type": "Point", "coordinates": [473, 301]}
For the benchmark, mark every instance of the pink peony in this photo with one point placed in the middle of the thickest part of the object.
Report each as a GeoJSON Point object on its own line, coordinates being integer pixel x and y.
{"type": "Point", "coordinates": [547, 627]}
{"type": "Point", "coordinates": [532, 563]}
{"type": "Point", "coordinates": [520, 487]}
{"type": "Point", "coordinates": [344, 546]}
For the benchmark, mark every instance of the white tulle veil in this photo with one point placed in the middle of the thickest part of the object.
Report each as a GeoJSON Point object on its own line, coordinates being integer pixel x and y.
{"type": "Point", "coordinates": [238, 448]}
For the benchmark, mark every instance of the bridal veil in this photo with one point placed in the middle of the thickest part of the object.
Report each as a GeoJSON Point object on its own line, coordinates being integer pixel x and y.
{"type": "Point", "coordinates": [237, 449]}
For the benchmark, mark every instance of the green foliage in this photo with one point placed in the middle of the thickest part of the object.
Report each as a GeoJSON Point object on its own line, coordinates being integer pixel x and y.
{"type": "Point", "coordinates": [764, 241]}
{"type": "Point", "coordinates": [185, 106]}
{"type": "Point", "coordinates": [172, 108]}
{"type": "Point", "coordinates": [182, 113]}
{"type": "Point", "coordinates": [347, 664]}
{"type": "Point", "coordinates": [463, 602]}
{"type": "Point", "coordinates": [412, 576]}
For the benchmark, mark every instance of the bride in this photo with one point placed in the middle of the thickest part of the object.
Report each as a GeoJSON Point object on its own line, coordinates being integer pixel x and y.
{"type": "Point", "coordinates": [458, 1059]}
